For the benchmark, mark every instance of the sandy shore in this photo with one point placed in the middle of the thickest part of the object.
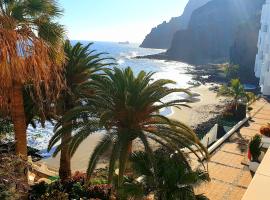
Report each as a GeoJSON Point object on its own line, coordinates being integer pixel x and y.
{"type": "Point", "coordinates": [200, 111]}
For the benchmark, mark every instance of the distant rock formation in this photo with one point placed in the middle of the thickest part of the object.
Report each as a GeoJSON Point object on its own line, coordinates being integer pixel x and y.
{"type": "Point", "coordinates": [161, 36]}
{"type": "Point", "coordinates": [212, 31]}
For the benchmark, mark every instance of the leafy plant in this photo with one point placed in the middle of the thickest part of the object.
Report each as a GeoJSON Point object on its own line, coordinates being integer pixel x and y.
{"type": "Point", "coordinates": [171, 177]}
{"type": "Point", "coordinates": [81, 64]}
{"type": "Point", "coordinates": [235, 90]}
{"type": "Point", "coordinates": [30, 39]}
{"type": "Point", "coordinates": [100, 191]}
{"type": "Point", "coordinates": [12, 178]}
{"type": "Point", "coordinates": [240, 97]}
{"type": "Point", "coordinates": [255, 147]}
{"type": "Point", "coordinates": [128, 106]}
{"type": "Point", "coordinates": [231, 71]}
{"type": "Point", "coordinates": [55, 195]}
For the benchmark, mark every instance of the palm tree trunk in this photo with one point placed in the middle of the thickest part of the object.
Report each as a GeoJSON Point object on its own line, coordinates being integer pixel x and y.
{"type": "Point", "coordinates": [19, 120]}
{"type": "Point", "coordinates": [65, 166]}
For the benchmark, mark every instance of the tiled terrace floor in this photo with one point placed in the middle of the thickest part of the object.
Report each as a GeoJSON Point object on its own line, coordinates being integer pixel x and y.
{"type": "Point", "coordinates": [230, 178]}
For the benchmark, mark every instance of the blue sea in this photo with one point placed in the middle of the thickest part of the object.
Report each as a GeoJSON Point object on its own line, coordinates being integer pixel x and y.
{"type": "Point", "coordinates": [125, 56]}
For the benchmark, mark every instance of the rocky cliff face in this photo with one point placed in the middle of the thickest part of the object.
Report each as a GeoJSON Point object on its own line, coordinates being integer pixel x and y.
{"type": "Point", "coordinates": [244, 49]}
{"type": "Point", "coordinates": [161, 36]}
{"type": "Point", "coordinates": [212, 31]}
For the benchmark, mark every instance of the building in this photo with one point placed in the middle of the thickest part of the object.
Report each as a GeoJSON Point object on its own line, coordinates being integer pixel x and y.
{"type": "Point", "coordinates": [262, 65]}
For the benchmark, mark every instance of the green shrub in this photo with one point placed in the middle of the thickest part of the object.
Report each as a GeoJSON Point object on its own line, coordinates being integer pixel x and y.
{"type": "Point", "coordinates": [13, 182]}
{"type": "Point", "coordinates": [255, 147]}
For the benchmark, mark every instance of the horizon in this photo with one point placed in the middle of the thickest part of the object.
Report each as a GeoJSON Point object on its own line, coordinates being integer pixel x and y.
{"type": "Point", "coordinates": [120, 22]}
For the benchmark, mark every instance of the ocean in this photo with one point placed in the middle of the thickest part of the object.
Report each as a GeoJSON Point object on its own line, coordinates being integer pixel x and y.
{"type": "Point", "coordinates": [124, 55]}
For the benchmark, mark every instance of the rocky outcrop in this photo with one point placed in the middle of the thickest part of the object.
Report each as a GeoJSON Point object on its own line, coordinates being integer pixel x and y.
{"type": "Point", "coordinates": [212, 31]}
{"type": "Point", "coordinates": [244, 49]}
{"type": "Point", "coordinates": [161, 36]}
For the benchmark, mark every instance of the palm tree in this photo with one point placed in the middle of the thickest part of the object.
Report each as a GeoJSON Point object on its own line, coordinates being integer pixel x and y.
{"type": "Point", "coordinates": [30, 53]}
{"type": "Point", "coordinates": [81, 64]}
{"type": "Point", "coordinates": [128, 107]}
{"type": "Point", "coordinates": [231, 71]}
{"type": "Point", "coordinates": [237, 91]}
{"type": "Point", "coordinates": [171, 178]}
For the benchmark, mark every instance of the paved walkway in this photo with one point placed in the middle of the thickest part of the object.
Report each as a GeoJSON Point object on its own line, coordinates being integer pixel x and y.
{"type": "Point", "coordinates": [229, 177]}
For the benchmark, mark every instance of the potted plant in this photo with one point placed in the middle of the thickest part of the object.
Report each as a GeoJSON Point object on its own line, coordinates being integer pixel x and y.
{"type": "Point", "coordinates": [255, 148]}
{"type": "Point", "coordinates": [240, 98]}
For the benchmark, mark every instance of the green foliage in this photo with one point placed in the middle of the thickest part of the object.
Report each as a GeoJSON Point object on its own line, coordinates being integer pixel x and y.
{"type": "Point", "coordinates": [12, 178]}
{"type": "Point", "coordinates": [231, 71]}
{"type": "Point", "coordinates": [236, 91]}
{"type": "Point", "coordinates": [255, 147]}
{"type": "Point", "coordinates": [82, 63]}
{"type": "Point", "coordinates": [74, 188]}
{"type": "Point", "coordinates": [98, 181]}
{"type": "Point", "coordinates": [55, 195]}
{"type": "Point", "coordinates": [171, 176]}
{"type": "Point", "coordinates": [128, 107]}
{"type": "Point", "coordinates": [6, 127]}
{"type": "Point", "coordinates": [40, 15]}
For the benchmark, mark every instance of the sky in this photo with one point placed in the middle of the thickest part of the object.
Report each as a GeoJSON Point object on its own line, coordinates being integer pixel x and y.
{"type": "Point", "coordinates": [116, 20]}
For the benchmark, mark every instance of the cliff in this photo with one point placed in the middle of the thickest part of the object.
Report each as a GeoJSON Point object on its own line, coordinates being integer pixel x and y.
{"type": "Point", "coordinates": [161, 36]}
{"type": "Point", "coordinates": [212, 31]}
{"type": "Point", "coordinates": [244, 49]}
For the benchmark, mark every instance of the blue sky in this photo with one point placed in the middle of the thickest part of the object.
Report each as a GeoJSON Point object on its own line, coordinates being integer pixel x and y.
{"type": "Point", "coordinates": [116, 20]}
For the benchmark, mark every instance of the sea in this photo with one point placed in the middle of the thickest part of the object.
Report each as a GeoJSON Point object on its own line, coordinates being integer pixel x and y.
{"type": "Point", "coordinates": [125, 57]}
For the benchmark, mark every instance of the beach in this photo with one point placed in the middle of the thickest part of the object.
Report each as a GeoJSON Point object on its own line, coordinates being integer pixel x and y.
{"type": "Point", "coordinates": [206, 106]}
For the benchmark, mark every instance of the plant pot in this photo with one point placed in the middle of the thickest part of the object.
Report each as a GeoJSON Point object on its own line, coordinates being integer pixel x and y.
{"type": "Point", "coordinates": [241, 111]}
{"type": "Point", "coordinates": [249, 154]}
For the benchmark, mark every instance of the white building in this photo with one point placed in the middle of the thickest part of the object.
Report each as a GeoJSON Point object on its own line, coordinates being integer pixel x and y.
{"type": "Point", "coordinates": [262, 65]}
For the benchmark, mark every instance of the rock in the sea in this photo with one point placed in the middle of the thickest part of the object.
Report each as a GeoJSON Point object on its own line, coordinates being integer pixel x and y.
{"type": "Point", "coordinates": [161, 36]}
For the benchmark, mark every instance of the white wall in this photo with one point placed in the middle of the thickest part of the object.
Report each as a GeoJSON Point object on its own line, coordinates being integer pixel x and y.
{"type": "Point", "coordinates": [262, 65]}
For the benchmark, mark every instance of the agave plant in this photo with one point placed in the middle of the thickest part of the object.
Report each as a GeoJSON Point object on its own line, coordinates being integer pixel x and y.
{"type": "Point", "coordinates": [31, 53]}
{"type": "Point", "coordinates": [128, 106]}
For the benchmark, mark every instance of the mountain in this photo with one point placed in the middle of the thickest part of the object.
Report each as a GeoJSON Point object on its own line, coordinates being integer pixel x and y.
{"type": "Point", "coordinates": [212, 31]}
{"type": "Point", "coordinates": [161, 36]}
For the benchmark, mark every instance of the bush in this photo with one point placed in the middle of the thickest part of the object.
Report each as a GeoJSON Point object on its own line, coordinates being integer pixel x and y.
{"type": "Point", "coordinates": [69, 190]}
{"type": "Point", "coordinates": [99, 191]}
{"type": "Point", "coordinates": [255, 147]}
{"type": "Point", "coordinates": [55, 195]}
{"type": "Point", "coordinates": [13, 181]}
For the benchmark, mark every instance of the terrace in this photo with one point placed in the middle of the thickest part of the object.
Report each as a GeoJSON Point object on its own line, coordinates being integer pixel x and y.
{"type": "Point", "coordinates": [228, 168]}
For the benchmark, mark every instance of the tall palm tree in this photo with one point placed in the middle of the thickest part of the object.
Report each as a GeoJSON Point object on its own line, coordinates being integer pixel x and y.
{"type": "Point", "coordinates": [171, 178]}
{"type": "Point", "coordinates": [81, 64]}
{"type": "Point", "coordinates": [30, 53]}
{"type": "Point", "coordinates": [128, 107]}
